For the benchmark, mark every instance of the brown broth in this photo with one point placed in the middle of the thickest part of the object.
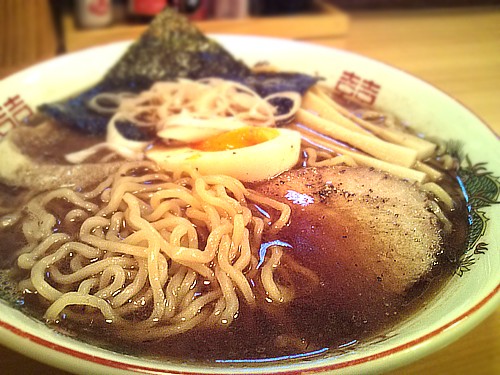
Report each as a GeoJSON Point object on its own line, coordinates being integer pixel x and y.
{"type": "Point", "coordinates": [347, 308]}
{"type": "Point", "coordinates": [344, 311]}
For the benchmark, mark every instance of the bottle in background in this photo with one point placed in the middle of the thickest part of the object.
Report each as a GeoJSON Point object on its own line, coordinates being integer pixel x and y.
{"type": "Point", "coordinates": [93, 13]}
{"type": "Point", "coordinates": [278, 7]}
{"type": "Point", "coordinates": [231, 8]}
{"type": "Point", "coordinates": [146, 8]}
{"type": "Point", "coordinates": [194, 9]}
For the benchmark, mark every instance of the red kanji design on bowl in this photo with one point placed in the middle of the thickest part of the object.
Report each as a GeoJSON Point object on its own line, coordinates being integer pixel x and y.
{"type": "Point", "coordinates": [6, 123]}
{"type": "Point", "coordinates": [367, 91]}
{"type": "Point", "coordinates": [347, 84]}
{"type": "Point", "coordinates": [12, 113]}
{"type": "Point", "coordinates": [354, 87]}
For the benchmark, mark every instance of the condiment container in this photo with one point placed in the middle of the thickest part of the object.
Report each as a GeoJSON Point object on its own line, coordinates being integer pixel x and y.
{"type": "Point", "coordinates": [146, 7]}
{"type": "Point", "coordinates": [93, 13]}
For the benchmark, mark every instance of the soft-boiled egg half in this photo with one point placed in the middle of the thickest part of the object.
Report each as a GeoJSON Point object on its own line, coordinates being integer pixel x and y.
{"type": "Point", "coordinates": [247, 153]}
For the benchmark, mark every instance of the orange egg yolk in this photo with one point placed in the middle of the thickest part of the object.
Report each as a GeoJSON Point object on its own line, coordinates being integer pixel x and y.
{"type": "Point", "coordinates": [238, 138]}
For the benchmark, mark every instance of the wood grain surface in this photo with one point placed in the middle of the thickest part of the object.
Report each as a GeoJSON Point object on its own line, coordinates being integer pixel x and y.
{"type": "Point", "coordinates": [27, 34]}
{"type": "Point", "coordinates": [458, 51]}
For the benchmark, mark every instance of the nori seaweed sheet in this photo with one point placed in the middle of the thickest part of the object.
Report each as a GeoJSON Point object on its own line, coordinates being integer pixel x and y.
{"type": "Point", "coordinates": [170, 48]}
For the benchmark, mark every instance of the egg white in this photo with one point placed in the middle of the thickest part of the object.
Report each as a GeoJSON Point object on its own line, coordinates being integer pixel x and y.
{"type": "Point", "coordinates": [253, 163]}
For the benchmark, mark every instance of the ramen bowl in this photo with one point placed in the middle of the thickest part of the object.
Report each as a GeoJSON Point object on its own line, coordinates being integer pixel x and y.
{"type": "Point", "coordinates": [469, 297]}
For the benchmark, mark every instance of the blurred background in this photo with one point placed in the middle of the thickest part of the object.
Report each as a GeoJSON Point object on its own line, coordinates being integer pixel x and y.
{"type": "Point", "coordinates": [34, 30]}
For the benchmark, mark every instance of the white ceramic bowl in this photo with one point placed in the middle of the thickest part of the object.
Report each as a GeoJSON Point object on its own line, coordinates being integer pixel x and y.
{"type": "Point", "coordinates": [460, 306]}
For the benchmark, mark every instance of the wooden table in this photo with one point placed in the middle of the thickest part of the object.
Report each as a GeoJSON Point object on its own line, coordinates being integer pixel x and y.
{"type": "Point", "coordinates": [27, 34]}
{"type": "Point", "coordinates": [456, 50]}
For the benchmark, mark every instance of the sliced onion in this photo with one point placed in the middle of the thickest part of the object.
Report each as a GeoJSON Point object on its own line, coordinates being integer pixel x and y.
{"type": "Point", "coordinates": [187, 134]}
{"type": "Point", "coordinates": [115, 98]}
{"type": "Point", "coordinates": [186, 111]}
{"type": "Point", "coordinates": [118, 142]}
{"type": "Point", "coordinates": [296, 100]}
{"type": "Point", "coordinates": [115, 142]}
{"type": "Point", "coordinates": [186, 120]}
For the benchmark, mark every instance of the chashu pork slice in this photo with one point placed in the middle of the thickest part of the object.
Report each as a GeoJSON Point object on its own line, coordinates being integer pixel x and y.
{"type": "Point", "coordinates": [33, 157]}
{"type": "Point", "coordinates": [358, 221]}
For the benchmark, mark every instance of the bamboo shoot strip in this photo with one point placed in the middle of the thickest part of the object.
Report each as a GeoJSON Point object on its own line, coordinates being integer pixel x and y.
{"type": "Point", "coordinates": [432, 173]}
{"type": "Point", "coordinates": [439, 193]}
{"type": "Point", "coordinates": [315, 103]}
{"type": "Point", "coordinates": [314, 140]}
{"type": "Point", "coordinates": [424, 148]}
{"type": "Point", "coordinates": [371, 145]}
